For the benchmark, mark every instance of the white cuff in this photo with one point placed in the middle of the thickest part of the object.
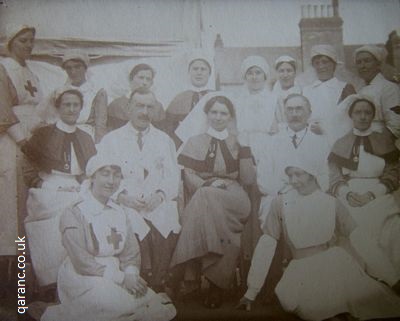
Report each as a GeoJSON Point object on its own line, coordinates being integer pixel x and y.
{"type": "Point", "coordinates": [16, 132]}
{"type": "Point", "coordinates": [131, 269]}
{"type": "Point", "coordinates": [343, 190]}
{"type": "Point", "coordinates": [251, 294]}
{"type": "Point", "coordinates": [114, 275]}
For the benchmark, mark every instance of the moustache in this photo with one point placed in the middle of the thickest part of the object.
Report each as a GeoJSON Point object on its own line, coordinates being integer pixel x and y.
{"type": "Point", "coordinates": [144, 117]}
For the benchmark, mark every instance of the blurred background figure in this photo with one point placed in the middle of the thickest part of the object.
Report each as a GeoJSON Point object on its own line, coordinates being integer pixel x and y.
{"type": "Point", "coordinates": [286, 68]}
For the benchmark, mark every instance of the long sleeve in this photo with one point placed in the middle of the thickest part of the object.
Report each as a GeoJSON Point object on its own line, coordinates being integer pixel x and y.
{"type": "Point", "coordinates": [8, 99]}
{"type": "Point", "coordinates": [100, 114]}
{"type": "Point", "coordinates": [260, 264]}
{"type": "Point", "coordinates": [390, 176]}
{"type": "Point", "coordinates": [192, 181]}
{"type": "Point", "coordinates": [74, 241]}
{"type": "Point", "coordinates": [247, 168]}
{"type": "Point", "coordinates": [30, 173]}
{"type": "Point", "coordinates": [264, 251]}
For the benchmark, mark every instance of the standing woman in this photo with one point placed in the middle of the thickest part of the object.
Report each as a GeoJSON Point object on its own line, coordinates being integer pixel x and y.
{"type": "Point", "coordinates": [285, 67]}
{"type": "Point", "coordinates": [385, 94]}
{"type": "Point", "coordinates": [199, 70]}
{"type": "Point", "coordinates": [326, 93]}
{"type": "Point", "coordinates": [215, 167]}
{"type": "Point", "coordinates": [256, 105]}
{"type": "Point", "coordinates": [99, 279]}
{"type": "Point", "coordinates": [20, 93]}
{"type": "Point", "coordinates": [93, 117]}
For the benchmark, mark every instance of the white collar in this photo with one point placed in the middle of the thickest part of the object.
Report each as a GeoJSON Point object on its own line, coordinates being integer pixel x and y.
{"type": "Point", "coordinates": [13, 63]}
{"type": "Point", "coordinates": [329, 83]}
{"type": "Point", "coordinates": [367, 132]}
{"type": "Point", "coordinates": [65, 127]}
{"type": "Point", "coordinates": [300, 133]}
{"type": "Point", "coordinates": [376, 79]}
{"type": "Point", "coordinates": [86, 86]}
{"type": "Point", "coordinates": [91, 206]}
{"type": "Point", "coordinates": [221, 135]}
{"type": "Point", "coordinates": [135, 131]}
{"type": "Point", "coordinates": [198, 89]}
{"type": "Point", "coordinates": [263, 91]}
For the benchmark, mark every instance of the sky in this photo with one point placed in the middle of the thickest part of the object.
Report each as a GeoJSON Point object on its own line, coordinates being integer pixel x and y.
{"type": "Point", "coordinates": [277, 21]}
{"type": "Point", "coordinates": [252, 23]}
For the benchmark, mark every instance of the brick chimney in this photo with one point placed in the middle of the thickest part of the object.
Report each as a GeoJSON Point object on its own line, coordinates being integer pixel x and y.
{"type": "Point", "coordinates": [320, 24]}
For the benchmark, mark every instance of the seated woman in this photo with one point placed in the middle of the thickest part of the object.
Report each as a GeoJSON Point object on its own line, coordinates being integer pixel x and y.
{"type": "Point", "coordinates": [363, 173]}
{"type": "Point", "coordinates": [99, 279]}
{"type": "Point", "coordinates": [58, 154]}
{"type": "Point", "coordinates": [141, 76]}
{"type": "Point", "coordinates": [214, 217]}
{"type": "Point", "coordinates": [322, 280]}
{"type": "Point", "coordinates": [285, 67]}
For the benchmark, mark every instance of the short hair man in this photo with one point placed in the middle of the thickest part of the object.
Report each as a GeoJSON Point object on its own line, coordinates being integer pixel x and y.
{"type": "Point", "coordinates": [295, 140]}
{"type": "Point", "coordinates": [140, 77]}
{"type": "Point", "coordinates": [151, 179]}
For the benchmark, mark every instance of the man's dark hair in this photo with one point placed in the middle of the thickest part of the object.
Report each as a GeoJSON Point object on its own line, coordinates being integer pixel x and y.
{"type": "Point", "coordinates": [135, 70]}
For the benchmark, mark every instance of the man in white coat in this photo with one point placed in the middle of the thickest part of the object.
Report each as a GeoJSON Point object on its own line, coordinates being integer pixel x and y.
{"type": "Point", "coordinates": [295, 140]}
{"type": "Point", "coordinates": [150, 185]}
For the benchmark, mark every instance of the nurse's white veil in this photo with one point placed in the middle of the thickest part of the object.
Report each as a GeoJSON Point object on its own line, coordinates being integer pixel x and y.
{"type": "Point", "coordinates": [196, 122]}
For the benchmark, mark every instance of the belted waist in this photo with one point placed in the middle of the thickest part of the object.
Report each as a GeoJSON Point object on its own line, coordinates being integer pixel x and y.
{"type": "Point", "coordinates": [309, 251]}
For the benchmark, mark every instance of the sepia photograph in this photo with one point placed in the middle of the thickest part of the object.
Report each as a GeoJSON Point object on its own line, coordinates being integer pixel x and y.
{"type": "Point", "coordinates": [195, 160]}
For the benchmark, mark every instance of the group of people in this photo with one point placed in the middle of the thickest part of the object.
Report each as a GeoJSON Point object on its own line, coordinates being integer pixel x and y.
{"type": "Point", "coordinates": [128, 201]}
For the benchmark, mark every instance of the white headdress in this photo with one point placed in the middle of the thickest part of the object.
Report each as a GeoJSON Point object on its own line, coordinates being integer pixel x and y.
{"type": "Point", "coordinates": [379, 53]}
{"type": "Point", "coordinates": [14, 30]}
{"type": "Point", "coordinates": [325, 50]}
{"type": "Point", "coordinates": [284, 59]}
{"type": "Point", "coordinates": [100, 160]}
{"type": "Point", "coordinates": [254, 61]}
{"type": "Point", "coordinates": [76, 54]}
{"type": "Point", "coordinates": [311, 164]}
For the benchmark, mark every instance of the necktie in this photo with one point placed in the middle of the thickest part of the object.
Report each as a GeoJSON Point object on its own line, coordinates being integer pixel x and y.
{"type": "Point", "coordinates": [140, 140]}
{"type": "Point", "coordinates": [294, 140]}
{"type": "Point", "coordinates": [195, 99]}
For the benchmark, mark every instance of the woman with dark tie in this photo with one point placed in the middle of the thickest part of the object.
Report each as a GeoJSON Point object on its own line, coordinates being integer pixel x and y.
{"type": "Point", "coordinates": [215, 167]}
{"type": "Point", "coordinates": [199, 70]}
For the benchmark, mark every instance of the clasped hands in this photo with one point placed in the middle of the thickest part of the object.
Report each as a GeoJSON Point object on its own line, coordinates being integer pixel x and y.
{"type": "Point", "coordinates": [147, 203]}
{"type": "Point", "coordinates": [358, 200]}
